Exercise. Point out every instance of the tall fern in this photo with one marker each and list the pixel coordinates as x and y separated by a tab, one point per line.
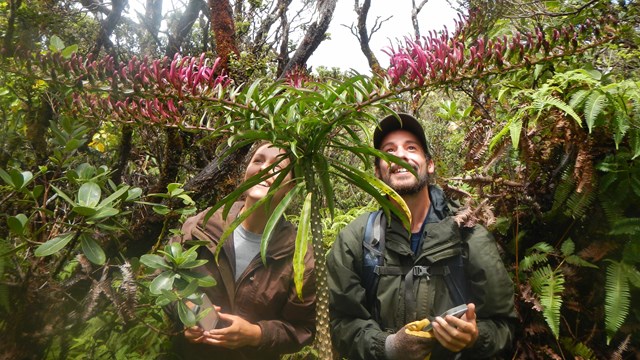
617	299
549	285
593	107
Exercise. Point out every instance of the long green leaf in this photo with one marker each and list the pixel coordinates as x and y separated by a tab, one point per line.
92	250
54	245
302	243
63	195
404	214
275	217
325	181
363	183
108	200
237	221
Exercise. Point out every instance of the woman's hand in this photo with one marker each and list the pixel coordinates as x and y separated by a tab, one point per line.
238	334
194	334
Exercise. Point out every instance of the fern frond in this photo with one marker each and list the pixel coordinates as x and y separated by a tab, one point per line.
632	273
578	349
551	299
575	260
626	226
617	298
564	189
620	121
578	203
613	212
593	107
578	98
568	247
530	260
550	101
542	247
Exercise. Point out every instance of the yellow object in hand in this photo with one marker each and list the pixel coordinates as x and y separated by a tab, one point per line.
415	328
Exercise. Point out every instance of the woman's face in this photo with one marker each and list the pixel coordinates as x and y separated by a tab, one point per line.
264	157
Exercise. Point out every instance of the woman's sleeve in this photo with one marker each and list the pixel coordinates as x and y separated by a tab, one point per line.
296	327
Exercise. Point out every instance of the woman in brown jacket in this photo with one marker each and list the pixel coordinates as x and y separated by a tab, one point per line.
261	315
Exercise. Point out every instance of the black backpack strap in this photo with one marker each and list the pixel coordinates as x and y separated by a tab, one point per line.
453	271
373	258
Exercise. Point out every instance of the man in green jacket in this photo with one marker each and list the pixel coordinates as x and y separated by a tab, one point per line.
413	283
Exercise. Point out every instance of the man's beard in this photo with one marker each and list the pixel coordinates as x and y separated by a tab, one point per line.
411	189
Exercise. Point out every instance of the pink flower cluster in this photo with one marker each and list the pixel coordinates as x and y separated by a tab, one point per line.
437	58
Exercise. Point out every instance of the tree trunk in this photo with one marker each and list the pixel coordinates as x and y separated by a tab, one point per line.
313	37
363	37
223	28
415	10
107	27
8	45
152	20
184	27
323	333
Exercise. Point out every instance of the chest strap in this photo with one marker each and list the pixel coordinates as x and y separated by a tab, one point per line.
409	273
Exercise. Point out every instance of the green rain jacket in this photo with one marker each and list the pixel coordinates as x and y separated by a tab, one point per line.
355	332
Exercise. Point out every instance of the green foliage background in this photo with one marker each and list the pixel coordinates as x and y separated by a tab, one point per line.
547	155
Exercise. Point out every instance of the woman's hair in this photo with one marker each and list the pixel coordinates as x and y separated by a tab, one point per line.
254	148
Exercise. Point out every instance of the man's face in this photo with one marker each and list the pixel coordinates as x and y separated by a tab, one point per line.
407	147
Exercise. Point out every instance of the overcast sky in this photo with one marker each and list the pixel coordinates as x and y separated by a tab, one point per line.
343	50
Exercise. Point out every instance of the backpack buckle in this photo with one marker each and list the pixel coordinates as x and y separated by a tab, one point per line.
421	271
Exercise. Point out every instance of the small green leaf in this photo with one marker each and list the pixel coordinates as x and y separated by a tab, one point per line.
515	129
84	210
37	191
133	193
175	189
161	209
6	177
56	44
192	264
17	223
568	247
154	261
92	250
188	290
104	213
54	245
164	281
69	50
186	315
89	194
175	249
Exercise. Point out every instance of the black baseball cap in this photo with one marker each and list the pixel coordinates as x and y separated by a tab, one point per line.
396	122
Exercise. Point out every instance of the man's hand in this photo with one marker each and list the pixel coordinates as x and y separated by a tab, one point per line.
403	345
238	334
457	334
